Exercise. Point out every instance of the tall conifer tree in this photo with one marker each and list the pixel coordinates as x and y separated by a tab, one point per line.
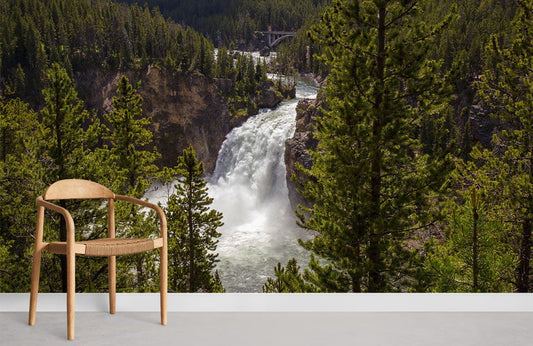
130	138
71	133
20	181
474	257
64	116
370	181
192	228
507	89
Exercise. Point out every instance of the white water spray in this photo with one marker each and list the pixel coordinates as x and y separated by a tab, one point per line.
249	188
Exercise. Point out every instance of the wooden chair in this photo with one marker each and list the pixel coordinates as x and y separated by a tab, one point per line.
109	247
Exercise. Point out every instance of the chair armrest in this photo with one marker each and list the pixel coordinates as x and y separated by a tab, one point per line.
66	215
158	210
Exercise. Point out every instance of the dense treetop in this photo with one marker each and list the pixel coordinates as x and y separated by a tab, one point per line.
80	34
235	21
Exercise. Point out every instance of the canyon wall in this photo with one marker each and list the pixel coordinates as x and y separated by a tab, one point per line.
185	108
296	148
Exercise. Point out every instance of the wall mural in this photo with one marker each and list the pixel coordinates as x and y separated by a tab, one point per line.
323	146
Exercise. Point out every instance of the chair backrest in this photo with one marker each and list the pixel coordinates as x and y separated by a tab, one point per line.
77	189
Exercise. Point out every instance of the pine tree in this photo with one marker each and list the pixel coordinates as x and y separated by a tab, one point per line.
65	117
369	181
287	280
130	138
192	229
20	181
507	89
474	256
223	63
71	133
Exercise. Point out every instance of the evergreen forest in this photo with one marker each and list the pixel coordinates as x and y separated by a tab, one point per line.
425	185
422	173
235	22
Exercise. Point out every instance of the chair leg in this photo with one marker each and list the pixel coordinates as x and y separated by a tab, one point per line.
35	273
36	266
163	283
71	287
112	279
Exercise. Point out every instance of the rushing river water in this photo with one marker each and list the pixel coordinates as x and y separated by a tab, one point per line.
249	187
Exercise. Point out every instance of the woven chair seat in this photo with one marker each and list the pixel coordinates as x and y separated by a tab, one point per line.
107	246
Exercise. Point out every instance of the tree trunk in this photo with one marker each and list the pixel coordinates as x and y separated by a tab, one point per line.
356	279
525	256
375	283
475	255
140	273
191	258
522	284
192	268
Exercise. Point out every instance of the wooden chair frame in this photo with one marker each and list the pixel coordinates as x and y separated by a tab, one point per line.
110	247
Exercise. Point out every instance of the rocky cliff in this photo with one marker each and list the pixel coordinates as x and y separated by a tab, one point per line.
296	147
185	109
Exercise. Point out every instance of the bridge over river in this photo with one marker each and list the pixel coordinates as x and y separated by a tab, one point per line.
275	37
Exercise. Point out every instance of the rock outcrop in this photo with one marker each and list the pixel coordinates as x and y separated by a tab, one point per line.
296	148
268	97
185	109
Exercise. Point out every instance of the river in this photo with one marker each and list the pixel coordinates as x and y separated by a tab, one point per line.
249	187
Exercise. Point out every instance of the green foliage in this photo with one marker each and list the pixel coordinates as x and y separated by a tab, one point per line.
71	137
82	34
224	63
33	156
474	256
192	229
461	50
236	21
287	280
6	263
369	182
506	88
64	117
21	174
242	81
130	135
63	146
301	52
388	127
464	41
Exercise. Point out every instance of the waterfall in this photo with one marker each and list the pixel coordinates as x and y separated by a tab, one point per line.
249	188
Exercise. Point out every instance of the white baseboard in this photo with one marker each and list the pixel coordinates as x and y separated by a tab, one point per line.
271	302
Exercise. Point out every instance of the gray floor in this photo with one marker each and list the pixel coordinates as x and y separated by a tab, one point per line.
255	329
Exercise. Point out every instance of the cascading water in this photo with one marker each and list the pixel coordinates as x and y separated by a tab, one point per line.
249	188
